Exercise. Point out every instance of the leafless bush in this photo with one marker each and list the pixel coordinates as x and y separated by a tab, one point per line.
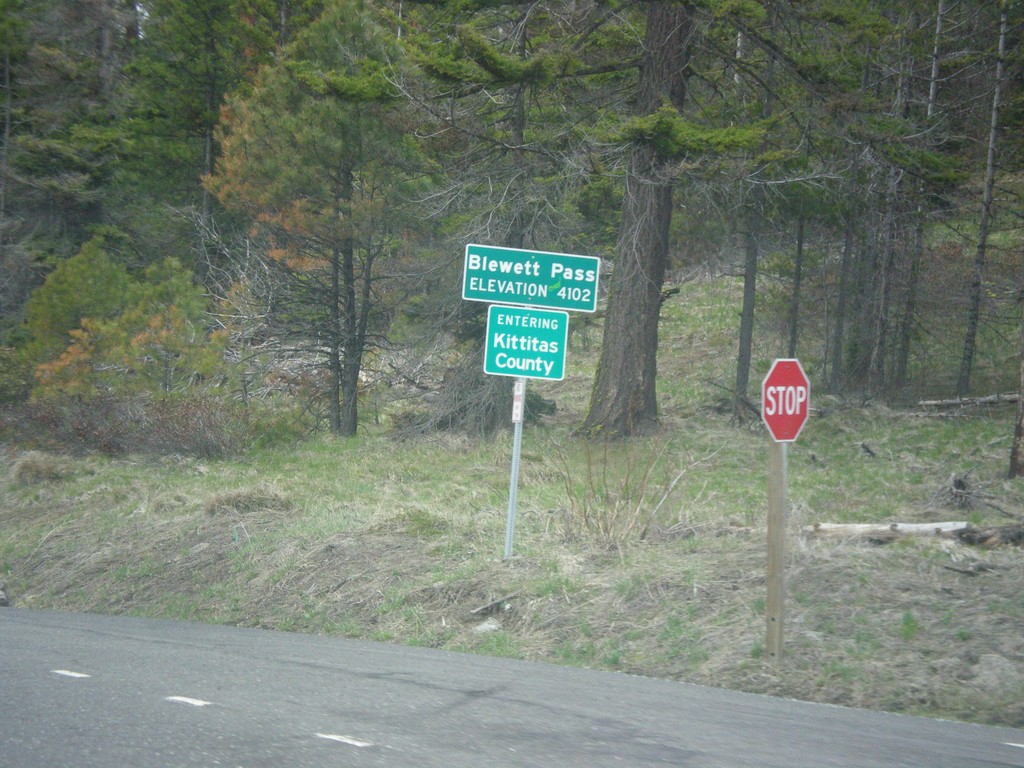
191	426
615	498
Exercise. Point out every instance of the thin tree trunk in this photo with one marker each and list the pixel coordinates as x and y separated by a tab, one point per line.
933	82
751	248
917	255
351	343
880	368
884	281
845	268
334	342
1017	452
963	384
798	276
846	265
5	154
901	362
624	400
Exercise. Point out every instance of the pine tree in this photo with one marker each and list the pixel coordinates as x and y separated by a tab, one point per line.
58	144
317	154
90	284
192	54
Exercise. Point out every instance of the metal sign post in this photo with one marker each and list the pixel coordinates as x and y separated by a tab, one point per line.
518	407
523	340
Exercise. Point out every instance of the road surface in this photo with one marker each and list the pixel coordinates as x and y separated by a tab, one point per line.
83	691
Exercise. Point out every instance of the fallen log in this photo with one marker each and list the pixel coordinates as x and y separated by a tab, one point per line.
882	532
1012	397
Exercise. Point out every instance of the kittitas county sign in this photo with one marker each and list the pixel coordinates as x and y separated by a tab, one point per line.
525	342
531	278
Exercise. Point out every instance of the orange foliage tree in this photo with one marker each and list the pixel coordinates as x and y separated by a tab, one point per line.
318	156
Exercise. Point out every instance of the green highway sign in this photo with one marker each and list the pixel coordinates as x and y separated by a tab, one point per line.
531	278
526	343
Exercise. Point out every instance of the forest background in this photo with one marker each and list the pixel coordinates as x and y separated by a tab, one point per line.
264	204
232	232
260	207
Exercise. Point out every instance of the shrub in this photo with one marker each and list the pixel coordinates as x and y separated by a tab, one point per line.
15	376
190	426
194	426
616	497
37	467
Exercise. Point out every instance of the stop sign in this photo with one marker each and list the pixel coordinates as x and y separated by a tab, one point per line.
785	400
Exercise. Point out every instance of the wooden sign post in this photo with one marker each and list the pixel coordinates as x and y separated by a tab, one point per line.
775	579
785	405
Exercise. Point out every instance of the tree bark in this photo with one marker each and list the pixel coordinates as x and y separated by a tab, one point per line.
624	399
845	268
883	286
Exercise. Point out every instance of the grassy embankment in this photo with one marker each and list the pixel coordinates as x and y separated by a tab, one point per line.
402	541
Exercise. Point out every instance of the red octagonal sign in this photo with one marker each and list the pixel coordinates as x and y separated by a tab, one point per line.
785	400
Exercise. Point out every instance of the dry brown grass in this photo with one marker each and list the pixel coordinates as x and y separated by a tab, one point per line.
37	467
244	501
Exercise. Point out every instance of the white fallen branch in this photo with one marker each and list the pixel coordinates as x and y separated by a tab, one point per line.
882	531
1012	397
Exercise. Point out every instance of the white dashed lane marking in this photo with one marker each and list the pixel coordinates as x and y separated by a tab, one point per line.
192	702
189	701
69	673
1011	744
345	740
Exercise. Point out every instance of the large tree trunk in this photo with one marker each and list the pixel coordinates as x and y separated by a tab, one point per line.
624	400
963	384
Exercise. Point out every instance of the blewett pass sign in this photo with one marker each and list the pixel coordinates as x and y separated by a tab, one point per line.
785	400
531	278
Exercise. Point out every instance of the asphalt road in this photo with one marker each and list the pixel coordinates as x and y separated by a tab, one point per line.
82	691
